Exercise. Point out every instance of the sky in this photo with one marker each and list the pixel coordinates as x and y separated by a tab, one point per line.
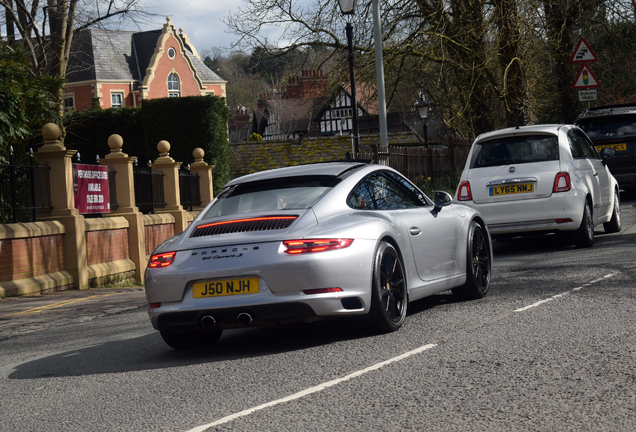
200	20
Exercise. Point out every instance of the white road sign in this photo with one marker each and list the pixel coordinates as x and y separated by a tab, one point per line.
587	95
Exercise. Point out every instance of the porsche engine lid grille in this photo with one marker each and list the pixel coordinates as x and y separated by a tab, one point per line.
244	225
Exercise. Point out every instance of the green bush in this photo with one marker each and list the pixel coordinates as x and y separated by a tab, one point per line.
88	132
187	123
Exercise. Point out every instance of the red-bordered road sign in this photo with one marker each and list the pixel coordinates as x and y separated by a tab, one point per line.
585	79
583	53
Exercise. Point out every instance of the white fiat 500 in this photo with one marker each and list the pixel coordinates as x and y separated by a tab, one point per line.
540	179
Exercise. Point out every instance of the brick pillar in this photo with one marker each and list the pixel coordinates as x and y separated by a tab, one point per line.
123	165
63	203
205	177
172	193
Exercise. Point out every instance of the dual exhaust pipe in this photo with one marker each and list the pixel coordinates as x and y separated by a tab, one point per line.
209	322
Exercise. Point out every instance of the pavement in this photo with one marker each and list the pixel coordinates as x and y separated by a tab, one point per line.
27	314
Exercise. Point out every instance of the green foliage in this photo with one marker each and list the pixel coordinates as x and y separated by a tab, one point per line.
446	183
88	132
26	100
187	123
255	137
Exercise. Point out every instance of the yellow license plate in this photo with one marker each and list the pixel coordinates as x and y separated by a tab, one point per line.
225	287
617	147
511	189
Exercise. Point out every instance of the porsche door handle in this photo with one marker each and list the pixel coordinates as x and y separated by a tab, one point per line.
415	231
595	174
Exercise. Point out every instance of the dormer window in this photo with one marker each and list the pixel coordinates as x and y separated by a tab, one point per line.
173	85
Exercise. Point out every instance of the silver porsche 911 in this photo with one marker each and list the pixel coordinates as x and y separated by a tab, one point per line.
314	241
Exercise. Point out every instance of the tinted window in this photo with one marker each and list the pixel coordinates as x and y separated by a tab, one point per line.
517	150
609	127
581	146
276	194
384	190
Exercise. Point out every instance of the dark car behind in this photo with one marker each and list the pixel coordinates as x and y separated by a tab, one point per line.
614	126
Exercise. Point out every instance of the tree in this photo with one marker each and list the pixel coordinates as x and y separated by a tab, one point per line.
26	99
484	64
243	87
46	31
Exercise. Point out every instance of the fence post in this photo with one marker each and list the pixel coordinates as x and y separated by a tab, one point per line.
124	179
63	203
170	169
205	177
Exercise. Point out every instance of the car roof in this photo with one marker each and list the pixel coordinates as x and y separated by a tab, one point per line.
608	110
521	130
325	168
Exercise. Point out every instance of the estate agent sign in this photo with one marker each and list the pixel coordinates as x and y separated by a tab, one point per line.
90	183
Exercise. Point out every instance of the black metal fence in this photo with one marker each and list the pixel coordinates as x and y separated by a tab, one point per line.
25	191
149	195
190	189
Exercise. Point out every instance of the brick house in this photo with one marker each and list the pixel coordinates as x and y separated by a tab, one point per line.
113	69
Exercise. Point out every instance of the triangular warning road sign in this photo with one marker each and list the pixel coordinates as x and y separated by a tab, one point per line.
583	53
585	79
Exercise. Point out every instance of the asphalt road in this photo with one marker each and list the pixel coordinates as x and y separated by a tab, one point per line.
551	348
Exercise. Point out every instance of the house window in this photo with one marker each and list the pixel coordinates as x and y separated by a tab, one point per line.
69	102
171	52
173	85
117	100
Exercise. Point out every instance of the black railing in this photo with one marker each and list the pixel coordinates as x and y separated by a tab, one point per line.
189	187
28	193
149	194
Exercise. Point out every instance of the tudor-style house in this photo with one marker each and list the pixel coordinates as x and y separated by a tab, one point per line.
113	69
306	108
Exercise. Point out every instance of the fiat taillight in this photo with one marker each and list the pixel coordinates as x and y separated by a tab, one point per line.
463	192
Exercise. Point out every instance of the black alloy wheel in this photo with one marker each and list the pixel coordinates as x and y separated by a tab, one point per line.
389	298
478	264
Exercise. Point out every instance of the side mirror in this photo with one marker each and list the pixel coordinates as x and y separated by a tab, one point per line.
441	199
607	153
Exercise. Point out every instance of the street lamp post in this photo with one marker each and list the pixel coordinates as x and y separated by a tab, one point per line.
347	8
422	109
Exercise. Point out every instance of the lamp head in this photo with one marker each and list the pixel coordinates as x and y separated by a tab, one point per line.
422	108
347	6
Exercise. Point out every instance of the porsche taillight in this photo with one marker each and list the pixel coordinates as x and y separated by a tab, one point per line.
463	192
161	260
562	182
295	247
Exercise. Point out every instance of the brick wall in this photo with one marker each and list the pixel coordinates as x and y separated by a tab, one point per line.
28	257
106	246
156	234
254	156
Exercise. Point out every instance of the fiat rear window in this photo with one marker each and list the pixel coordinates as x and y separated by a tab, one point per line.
519	149
290	193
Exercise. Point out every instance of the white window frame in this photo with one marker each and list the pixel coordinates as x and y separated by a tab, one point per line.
173	51
172	91
112	102
71	97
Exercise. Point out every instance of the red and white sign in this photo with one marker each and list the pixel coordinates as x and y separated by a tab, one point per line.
583	53
585	79
90	183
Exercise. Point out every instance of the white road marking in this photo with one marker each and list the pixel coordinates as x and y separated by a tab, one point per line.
556	296
356	374
315	389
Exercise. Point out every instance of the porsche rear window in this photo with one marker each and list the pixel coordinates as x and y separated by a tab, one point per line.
276	194
518	149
